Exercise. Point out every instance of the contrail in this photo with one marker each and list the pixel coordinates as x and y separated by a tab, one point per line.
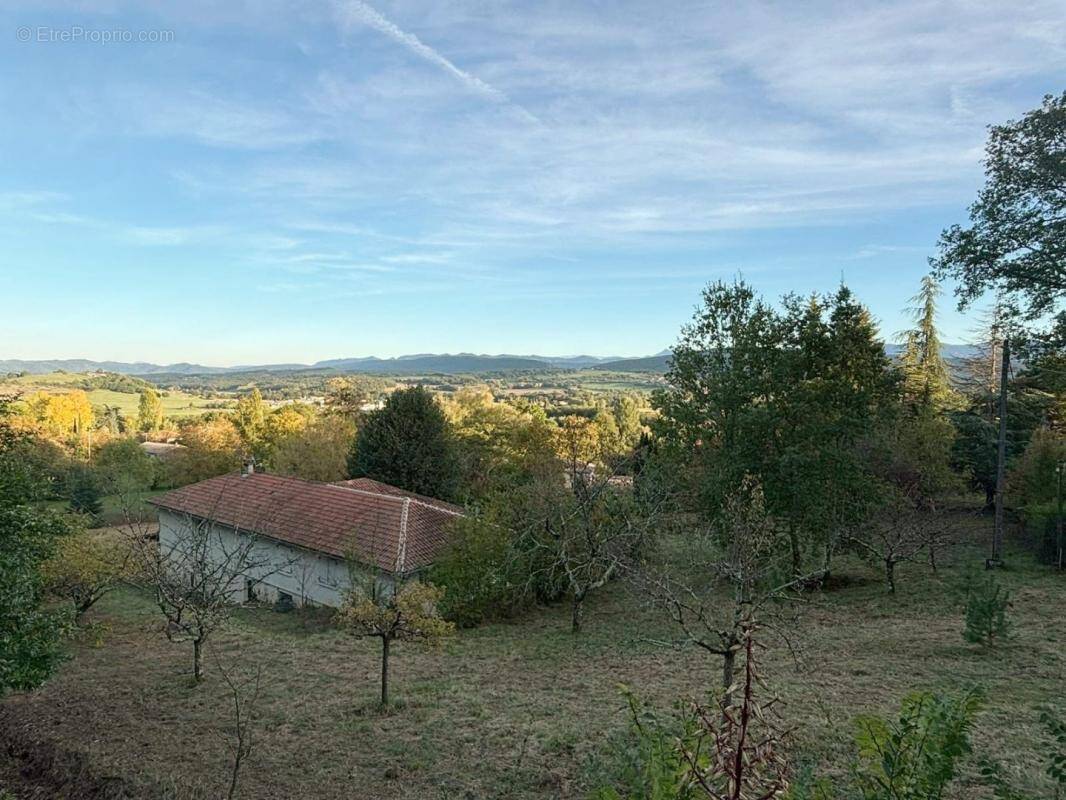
356	11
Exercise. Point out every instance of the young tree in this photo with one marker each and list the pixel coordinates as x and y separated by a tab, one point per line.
407	444
581	537
899	532
728	750
722	579
149	411
1016	241
987	603
913	757
377	607
244	685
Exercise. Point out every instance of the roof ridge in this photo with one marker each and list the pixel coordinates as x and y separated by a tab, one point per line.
401	497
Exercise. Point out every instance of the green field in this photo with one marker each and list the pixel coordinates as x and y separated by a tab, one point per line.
524	709
176	403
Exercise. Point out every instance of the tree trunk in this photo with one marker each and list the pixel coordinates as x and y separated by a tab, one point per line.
197	660
729	663
794	543
235	773
890	575
384	670
575	613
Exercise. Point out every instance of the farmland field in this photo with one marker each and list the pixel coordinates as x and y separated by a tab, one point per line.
524	709
176	403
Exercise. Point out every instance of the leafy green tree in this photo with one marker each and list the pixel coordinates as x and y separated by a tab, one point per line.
786	398
124	467
407	444
29	634
149	411
1016	241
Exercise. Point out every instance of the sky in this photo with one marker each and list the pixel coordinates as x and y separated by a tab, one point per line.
264	182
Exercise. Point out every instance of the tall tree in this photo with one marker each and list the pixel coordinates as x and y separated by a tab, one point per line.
249	417
1016	241
29	632
926	380
149	411
785	398
407	444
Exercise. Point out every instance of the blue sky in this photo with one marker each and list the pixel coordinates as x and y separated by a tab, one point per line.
294	181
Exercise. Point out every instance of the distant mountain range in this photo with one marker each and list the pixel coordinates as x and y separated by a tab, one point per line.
421	363
418	364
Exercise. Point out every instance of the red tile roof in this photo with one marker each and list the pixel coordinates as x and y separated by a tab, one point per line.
371	485
376	523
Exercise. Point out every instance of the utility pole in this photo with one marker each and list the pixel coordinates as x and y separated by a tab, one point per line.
996	559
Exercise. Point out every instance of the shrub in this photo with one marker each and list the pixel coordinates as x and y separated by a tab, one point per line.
646	759
986	612
914	757
85	494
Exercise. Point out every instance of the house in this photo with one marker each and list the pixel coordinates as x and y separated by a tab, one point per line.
306	535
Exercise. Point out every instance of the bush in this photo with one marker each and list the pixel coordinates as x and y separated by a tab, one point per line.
1041	527
646	759
986	612
914	757
84	489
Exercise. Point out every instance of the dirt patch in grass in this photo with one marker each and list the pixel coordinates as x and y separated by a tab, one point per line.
520	709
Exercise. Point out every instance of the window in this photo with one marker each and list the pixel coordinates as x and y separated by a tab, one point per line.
287	564
329	573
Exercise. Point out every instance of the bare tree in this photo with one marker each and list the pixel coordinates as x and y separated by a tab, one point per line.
900	532
722	580
244	685
734	753
199	573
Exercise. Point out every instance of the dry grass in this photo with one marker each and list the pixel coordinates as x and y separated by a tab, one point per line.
518	710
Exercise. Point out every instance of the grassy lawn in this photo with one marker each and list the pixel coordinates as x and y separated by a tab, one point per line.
519	709
112	507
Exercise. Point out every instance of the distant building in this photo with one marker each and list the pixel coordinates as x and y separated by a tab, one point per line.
161	450
307	534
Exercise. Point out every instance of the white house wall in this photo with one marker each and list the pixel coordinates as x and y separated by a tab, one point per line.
302	574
